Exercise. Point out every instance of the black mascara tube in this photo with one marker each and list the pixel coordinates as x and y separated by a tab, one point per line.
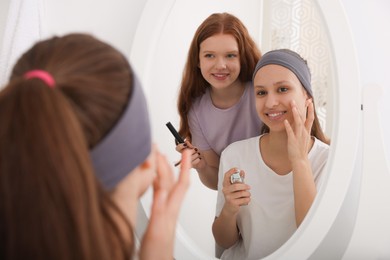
178	138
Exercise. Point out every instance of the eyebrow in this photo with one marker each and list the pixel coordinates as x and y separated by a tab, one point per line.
281	82
229	52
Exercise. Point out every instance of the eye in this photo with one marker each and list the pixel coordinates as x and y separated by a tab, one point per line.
261	93
209	55
282	89
232	55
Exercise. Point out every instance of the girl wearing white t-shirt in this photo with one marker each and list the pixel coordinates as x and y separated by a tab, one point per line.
282	167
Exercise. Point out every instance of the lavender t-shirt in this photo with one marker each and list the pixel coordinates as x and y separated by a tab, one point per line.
215	128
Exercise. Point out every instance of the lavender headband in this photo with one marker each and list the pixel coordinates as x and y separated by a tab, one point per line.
128	143
290	60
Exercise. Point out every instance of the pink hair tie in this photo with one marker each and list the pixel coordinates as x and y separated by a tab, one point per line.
42	75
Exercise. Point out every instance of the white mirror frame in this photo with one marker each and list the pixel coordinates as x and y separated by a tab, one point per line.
337	202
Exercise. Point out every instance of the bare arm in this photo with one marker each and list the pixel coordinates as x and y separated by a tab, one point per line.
304	189
206	163
207	168
224	228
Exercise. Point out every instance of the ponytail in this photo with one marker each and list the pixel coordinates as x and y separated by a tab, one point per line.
48	202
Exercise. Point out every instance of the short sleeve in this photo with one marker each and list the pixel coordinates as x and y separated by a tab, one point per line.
198	138
319	158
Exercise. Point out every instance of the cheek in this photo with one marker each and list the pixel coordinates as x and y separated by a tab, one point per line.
260	107
204	66
202	69
302	110
236	66
301	103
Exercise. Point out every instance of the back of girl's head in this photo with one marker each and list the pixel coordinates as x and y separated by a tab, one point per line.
193	84
51	206
92	75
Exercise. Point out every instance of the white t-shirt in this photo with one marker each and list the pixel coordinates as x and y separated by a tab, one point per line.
269	219
215	128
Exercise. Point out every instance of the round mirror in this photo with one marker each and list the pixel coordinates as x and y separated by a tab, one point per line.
158	54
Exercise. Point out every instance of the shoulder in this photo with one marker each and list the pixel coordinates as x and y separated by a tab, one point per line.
318	157
319	151
320	146
202	101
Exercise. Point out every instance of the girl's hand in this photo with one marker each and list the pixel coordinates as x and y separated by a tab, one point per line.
197	161
168	195
236	194
299	138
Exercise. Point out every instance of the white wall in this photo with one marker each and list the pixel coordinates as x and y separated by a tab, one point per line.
370	21
113	21
4	5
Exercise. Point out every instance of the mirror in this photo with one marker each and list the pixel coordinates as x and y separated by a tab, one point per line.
159	56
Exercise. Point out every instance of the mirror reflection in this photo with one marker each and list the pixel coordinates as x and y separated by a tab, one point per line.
294	24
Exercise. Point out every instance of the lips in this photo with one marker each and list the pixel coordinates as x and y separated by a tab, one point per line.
220	76
275	115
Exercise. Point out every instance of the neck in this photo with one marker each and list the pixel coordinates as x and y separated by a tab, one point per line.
277	142
227	97
273	147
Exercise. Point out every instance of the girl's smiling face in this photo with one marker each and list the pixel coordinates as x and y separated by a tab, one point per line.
219	60
276	87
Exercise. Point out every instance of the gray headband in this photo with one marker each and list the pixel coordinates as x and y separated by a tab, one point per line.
290	60
127	144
